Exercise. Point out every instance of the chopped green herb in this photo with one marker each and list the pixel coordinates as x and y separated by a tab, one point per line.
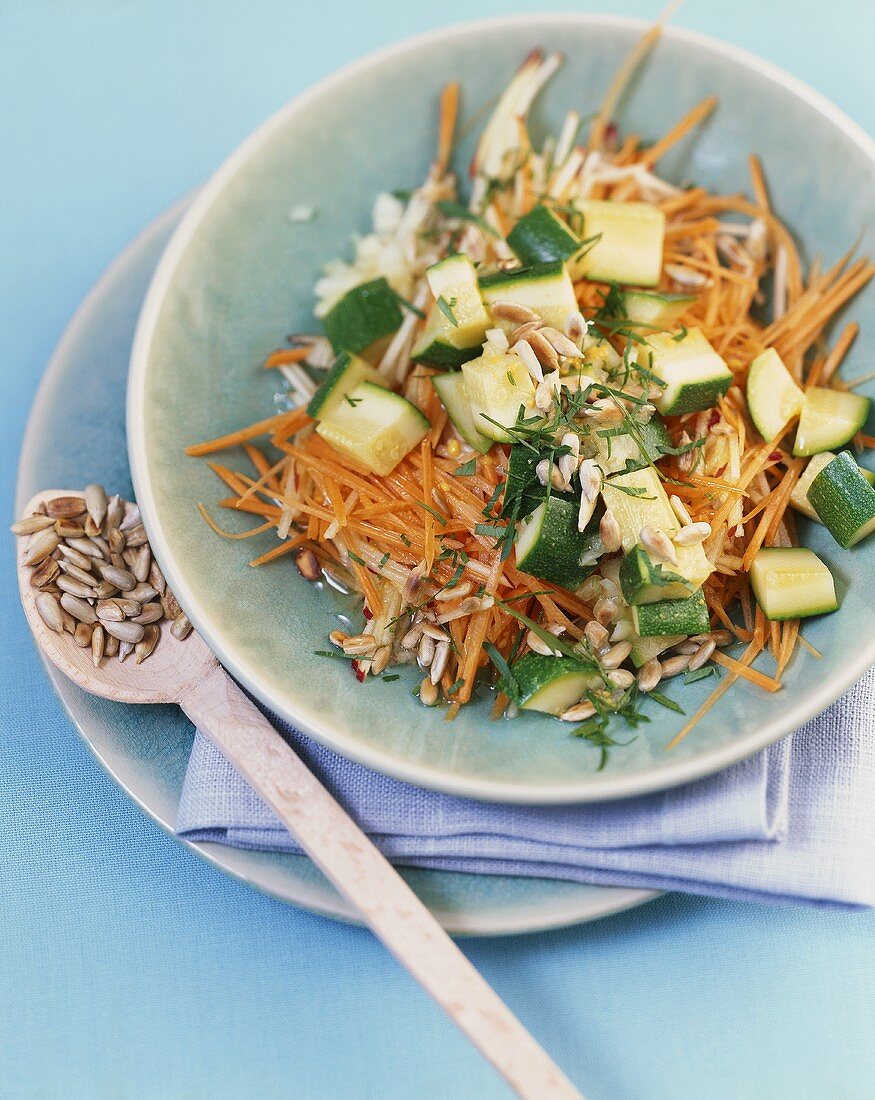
454	687
441	519
451	209
409	305
390	679
700	674
446	308
467	469
352	400
384	559
664	701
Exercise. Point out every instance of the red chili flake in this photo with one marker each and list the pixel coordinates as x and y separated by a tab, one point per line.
359	675
775	456
368	613
612	135
714	418
720	472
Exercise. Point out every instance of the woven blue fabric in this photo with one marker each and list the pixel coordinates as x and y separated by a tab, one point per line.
794	824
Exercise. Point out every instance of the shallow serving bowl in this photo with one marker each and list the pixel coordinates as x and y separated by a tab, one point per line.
238	275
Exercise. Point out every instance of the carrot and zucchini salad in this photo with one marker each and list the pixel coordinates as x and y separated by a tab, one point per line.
558	429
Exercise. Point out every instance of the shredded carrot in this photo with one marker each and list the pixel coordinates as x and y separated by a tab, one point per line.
285	356
419	544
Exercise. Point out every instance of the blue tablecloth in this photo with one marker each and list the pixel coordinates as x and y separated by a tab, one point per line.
128	968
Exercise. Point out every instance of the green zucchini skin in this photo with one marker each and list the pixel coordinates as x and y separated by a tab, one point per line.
844	500
345	374
367	313
542	237
548	684
534	273
689	616
453	393
558	547
792	583
439	354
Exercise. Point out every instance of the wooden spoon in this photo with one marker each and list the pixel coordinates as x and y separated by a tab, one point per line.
185	672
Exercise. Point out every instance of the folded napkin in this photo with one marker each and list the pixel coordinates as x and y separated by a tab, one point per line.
792	825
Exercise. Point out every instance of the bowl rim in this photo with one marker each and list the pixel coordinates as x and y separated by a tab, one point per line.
306	717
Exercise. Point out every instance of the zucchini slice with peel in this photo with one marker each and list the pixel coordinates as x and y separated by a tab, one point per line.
549	684
844	500
792	583
374	426
773	398
829	420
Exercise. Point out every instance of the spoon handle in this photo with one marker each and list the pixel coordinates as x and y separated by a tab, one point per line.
341	850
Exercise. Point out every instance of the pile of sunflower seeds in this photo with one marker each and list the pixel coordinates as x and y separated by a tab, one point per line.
95	575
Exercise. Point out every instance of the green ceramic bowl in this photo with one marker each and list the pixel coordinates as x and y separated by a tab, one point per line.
238	275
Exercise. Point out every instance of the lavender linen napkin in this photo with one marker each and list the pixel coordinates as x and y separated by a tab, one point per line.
793	825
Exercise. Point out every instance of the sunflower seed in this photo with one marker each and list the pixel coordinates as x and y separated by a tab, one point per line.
649	675
91	528
381	660
83	575
180	627
657	544
543	349
41	545
142	563
522	331
168	601
620	678
110	645
104	590
84	547
69	529
596	635
116	540
680	510
719	637
674	666
606	611
146	646
96	502
143	593
156	577
44	573
131	518
307	564
578	713
98	644
576	326
78	608
616	655
425	653
561	343
124	649
115	513
692	534
30	525
82	635
359	645
65	507
75	587
510	311
150	613
531	362
124	631
454	593
411	639
688	458
538	645
136	535
50	611
428	693
110	611
439	661
121	578
702	655
102	545
609	530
